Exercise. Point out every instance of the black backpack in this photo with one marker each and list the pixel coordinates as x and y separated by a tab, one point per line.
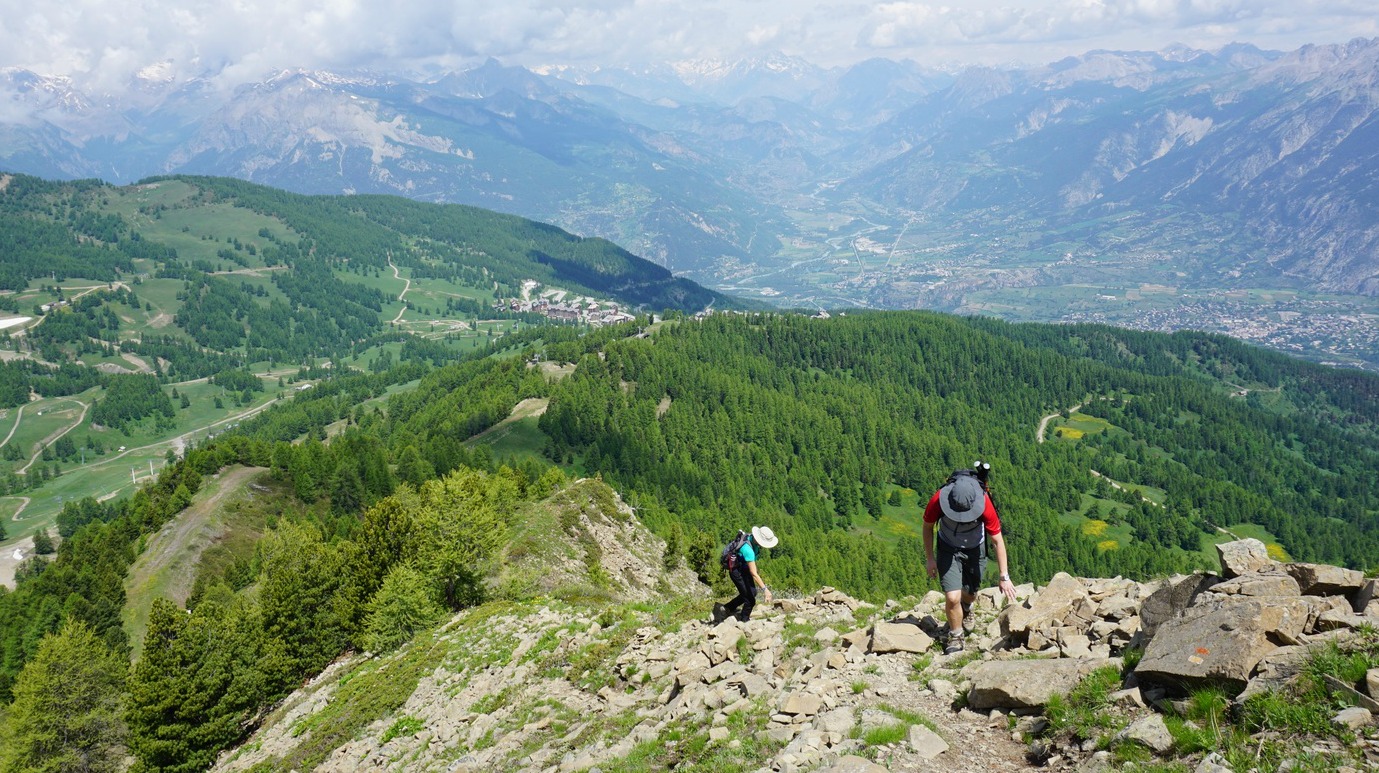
729	557
963	535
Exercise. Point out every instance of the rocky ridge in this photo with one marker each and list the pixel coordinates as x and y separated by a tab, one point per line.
827	682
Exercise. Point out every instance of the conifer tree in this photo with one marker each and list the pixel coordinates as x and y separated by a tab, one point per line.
66	714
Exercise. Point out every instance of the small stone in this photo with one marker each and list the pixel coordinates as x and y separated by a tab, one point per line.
943	688
840	721
1129	699
925	742
1352	718
801	703
1150	731
719	734
1213	763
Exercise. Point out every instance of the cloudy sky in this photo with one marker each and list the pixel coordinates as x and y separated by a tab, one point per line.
101	42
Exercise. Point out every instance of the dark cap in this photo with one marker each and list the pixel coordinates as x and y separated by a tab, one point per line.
963	500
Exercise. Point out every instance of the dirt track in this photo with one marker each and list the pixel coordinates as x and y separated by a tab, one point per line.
167	566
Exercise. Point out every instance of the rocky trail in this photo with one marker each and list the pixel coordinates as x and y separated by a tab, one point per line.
829	683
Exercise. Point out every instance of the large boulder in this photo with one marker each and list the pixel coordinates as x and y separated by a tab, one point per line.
1266	583
1028	683
1325	580
1215	641
1360	599
1055	601
899	637
1172	599
1242	557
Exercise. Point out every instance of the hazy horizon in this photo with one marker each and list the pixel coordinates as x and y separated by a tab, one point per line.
102	44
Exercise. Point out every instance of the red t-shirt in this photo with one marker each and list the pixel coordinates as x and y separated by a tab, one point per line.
992	521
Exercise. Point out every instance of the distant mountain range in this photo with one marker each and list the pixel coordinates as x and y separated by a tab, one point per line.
705	165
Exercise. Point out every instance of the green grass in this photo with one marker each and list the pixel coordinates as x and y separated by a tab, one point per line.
895	523
1078	425
518	438
370	692
114	473
1085	711
403	726
1239	531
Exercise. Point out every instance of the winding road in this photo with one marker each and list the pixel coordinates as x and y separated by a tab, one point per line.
18	417
1044	422
53	438
408	286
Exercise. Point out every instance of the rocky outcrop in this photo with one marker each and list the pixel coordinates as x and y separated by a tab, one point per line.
812	682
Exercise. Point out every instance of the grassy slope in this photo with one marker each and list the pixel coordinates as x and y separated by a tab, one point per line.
221	524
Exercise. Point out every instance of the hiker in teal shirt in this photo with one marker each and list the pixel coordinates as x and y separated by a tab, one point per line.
745	577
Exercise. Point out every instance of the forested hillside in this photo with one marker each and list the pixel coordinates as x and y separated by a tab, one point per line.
379	513
812	424
124	308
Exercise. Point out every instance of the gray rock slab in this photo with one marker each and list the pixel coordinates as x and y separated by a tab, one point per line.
1218	640
1053	602
1243	556
1372	683
804	703
1027	683
1325	580
1334	620
899	637
1259	584
840	721
1172	599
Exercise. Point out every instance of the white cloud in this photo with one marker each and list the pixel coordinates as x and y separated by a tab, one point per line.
103	42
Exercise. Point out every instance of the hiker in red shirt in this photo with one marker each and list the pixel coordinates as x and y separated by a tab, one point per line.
965	516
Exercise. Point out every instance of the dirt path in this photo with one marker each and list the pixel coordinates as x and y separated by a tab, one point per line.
18	417
407	287
975	741
22	505
167	567
1044	422
53	438
136	361
532	406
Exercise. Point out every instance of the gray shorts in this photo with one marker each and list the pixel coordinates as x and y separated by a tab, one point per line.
960	568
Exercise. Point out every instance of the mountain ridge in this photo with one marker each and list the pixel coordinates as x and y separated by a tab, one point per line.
704	180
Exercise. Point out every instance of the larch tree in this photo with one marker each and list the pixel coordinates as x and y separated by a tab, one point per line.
66	714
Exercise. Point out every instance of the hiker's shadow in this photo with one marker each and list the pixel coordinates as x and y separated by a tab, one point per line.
928	624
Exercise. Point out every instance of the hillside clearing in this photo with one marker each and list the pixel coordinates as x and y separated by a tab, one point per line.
167	567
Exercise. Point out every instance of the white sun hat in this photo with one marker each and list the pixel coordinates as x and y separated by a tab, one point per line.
764	536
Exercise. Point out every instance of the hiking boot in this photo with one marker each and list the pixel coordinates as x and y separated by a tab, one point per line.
954	643
720	613
967	621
